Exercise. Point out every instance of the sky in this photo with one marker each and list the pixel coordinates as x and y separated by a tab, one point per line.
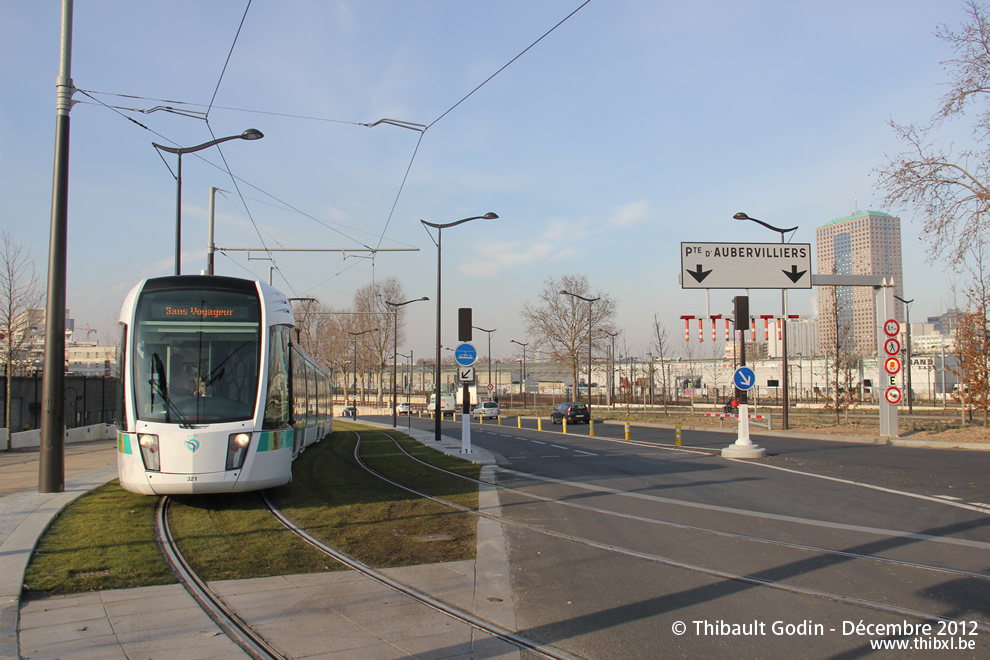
633	126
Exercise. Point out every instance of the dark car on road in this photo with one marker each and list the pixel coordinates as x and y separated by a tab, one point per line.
349	411
572	411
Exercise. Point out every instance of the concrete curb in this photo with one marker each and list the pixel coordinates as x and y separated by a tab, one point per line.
24	517
493	592
863	440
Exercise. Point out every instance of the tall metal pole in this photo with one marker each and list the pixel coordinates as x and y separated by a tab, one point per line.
489	354
783	313
590	302
907	361
436	384
178	216
522	385
51	459
437	414
210	245
395	353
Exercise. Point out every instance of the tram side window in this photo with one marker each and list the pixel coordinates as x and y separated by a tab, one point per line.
121	375
300	396
313	392
277	399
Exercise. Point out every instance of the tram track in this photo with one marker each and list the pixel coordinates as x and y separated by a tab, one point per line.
849	599
236	629
257	646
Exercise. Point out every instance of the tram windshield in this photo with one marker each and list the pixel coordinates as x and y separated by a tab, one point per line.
196	355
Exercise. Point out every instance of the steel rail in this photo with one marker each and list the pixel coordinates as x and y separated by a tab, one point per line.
229	622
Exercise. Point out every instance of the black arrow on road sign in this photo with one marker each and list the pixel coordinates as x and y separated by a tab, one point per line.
794	275
699	275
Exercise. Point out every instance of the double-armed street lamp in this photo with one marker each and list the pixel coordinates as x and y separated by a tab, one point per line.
356	335
436	379
590	302
523	380
249	134
489	353
395	352
907	361
783	314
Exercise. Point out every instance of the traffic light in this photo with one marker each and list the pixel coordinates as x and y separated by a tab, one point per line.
464	324
741	312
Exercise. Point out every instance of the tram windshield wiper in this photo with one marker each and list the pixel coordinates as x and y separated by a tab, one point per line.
161	385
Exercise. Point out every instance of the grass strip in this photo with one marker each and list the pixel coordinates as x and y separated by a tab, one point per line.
105	539
371	520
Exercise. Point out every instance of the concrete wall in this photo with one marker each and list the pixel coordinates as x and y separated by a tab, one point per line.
28	439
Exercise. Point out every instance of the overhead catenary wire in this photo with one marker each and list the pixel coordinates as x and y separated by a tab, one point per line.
421	128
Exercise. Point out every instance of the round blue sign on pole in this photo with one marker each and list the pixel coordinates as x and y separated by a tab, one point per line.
744	378
465	355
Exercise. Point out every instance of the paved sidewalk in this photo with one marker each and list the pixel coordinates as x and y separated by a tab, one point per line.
331	615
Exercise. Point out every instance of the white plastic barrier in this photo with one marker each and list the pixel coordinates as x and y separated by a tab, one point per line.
27	439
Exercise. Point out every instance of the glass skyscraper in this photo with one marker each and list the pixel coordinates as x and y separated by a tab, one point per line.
864	243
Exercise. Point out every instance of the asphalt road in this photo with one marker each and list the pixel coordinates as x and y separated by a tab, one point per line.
635	550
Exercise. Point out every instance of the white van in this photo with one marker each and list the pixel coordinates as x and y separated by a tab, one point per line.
447	404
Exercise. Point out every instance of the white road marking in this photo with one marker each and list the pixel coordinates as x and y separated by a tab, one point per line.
773	516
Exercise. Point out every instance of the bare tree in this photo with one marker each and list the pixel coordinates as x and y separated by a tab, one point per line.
972	346
661	343
19	293
950	189
560	323
369	303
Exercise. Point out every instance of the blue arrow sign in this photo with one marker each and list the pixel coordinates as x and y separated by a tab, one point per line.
465	355
744	378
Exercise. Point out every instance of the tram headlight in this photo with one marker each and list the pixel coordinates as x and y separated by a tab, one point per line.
237	448
149	451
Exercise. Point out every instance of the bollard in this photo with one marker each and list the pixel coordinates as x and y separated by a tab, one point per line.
519	422
627	431
678	427
539	423
591	428
481	420
563	420
499	418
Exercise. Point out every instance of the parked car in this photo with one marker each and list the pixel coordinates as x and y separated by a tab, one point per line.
403	408
485	410
349	411
572	411
448	404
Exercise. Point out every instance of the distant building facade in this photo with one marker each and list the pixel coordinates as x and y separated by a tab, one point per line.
864	243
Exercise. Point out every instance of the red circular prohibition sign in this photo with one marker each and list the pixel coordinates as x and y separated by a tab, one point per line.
893	395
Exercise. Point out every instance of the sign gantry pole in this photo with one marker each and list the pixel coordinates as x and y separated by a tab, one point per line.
744	379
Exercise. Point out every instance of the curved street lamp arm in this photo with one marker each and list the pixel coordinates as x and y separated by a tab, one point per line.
743	216
587	300
249	134
487	216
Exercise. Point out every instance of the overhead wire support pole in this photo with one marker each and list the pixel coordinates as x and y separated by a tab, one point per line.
51	459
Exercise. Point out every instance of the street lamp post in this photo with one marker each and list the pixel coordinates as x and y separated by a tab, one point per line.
249	134
590	302
907	361
395	352
436	384
522	385
611	371
355	335
489	353
783	314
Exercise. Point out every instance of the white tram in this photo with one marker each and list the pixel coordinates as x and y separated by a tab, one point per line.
214	396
